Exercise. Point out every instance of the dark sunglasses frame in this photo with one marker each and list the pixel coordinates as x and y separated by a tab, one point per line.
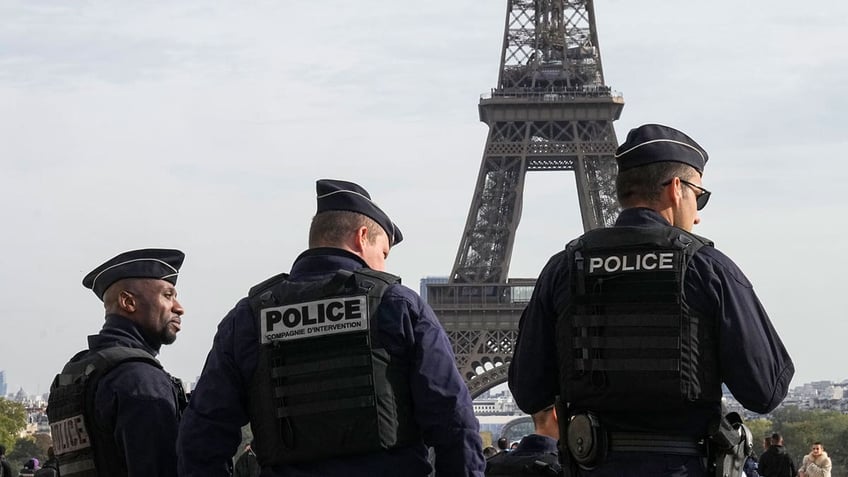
700	199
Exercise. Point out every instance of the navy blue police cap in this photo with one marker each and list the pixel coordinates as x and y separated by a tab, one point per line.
343	195
162	264
652	143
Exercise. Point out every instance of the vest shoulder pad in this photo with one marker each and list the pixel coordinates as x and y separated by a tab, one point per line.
99	363
260	287
385	277
624	236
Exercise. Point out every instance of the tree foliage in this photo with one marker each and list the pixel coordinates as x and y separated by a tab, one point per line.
759	429
12	421
25	449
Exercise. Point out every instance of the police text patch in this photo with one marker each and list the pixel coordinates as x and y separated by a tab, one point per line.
631	262
69	435
314	318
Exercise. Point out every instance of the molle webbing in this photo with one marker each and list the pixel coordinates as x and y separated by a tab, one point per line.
316	396
626	338
340	378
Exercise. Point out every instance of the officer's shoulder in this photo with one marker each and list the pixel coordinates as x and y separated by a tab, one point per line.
138	379
720	264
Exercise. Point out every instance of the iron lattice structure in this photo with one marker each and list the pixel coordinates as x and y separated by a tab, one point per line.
551	111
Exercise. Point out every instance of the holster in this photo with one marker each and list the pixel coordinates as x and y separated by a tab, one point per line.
730	444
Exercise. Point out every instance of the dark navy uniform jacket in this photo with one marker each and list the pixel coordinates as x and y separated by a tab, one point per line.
753	362
136	401
542	448
210	430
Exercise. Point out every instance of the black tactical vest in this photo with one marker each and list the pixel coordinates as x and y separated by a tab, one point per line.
324	386
627	341
85	448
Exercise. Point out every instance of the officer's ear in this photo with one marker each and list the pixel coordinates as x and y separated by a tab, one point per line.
361	239
673	192
127	301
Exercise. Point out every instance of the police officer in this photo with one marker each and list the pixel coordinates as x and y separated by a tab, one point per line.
339	369
113	410
635	327
536	454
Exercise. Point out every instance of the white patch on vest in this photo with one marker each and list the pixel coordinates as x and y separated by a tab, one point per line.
314	318
634	262
69	435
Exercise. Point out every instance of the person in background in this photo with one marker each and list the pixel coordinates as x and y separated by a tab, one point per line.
30	466
776	461
536	454
816	463
5	467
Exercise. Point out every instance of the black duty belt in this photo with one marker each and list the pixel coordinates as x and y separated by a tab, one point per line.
658	443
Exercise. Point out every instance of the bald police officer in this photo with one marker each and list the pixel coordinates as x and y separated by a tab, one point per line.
339	369
635	327
113	410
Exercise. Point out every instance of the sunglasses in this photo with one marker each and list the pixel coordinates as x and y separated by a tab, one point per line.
703	194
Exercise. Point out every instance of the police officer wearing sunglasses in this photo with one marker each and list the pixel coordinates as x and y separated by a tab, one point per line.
634	328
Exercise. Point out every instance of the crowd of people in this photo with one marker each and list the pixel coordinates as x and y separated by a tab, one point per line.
341	370
775	461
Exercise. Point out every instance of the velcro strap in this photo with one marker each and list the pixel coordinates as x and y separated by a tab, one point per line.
597	364
656	321
330	384
627	342
318	366
658	443
326	406
77	467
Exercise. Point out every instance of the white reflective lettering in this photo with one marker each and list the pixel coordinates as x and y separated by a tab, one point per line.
595	262
652	265
633	262
612	263
314	318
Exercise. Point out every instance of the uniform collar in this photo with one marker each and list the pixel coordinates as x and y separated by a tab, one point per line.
120	331
640	216
320	261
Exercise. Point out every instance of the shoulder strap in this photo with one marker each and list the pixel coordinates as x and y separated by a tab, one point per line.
101	362
262	295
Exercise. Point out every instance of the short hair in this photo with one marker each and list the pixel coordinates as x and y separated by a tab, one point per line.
818	443
110	296
333	228
503	443
540	417
776	437
645	183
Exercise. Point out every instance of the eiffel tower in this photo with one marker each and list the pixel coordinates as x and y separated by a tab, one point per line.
551	111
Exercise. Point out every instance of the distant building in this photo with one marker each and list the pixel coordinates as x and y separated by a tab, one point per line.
428	281
3	383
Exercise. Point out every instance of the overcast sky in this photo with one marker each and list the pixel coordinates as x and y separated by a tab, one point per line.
203	126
